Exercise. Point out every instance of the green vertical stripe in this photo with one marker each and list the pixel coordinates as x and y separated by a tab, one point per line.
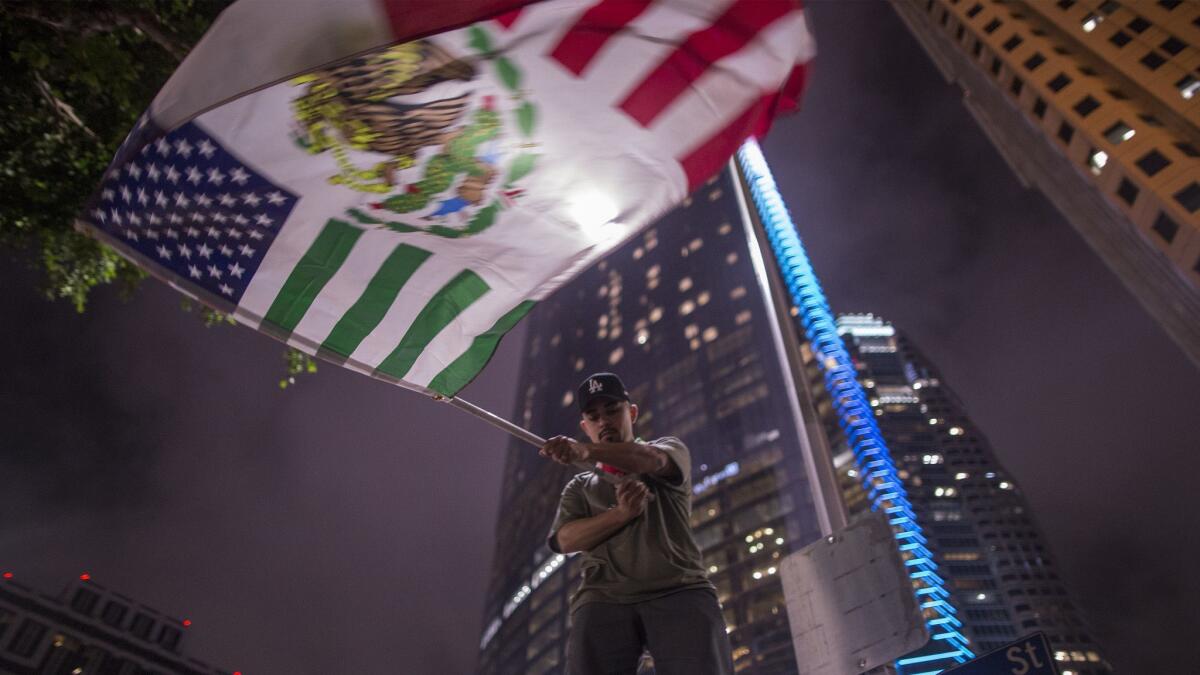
376	299
464	369
311	274
447	303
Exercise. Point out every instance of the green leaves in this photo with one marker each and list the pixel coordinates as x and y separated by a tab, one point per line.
510	77
76	76
526	115
479	39
520	167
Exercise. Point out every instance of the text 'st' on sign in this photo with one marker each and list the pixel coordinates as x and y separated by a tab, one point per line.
1030	655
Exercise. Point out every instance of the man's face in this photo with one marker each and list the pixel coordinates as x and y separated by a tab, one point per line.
609	421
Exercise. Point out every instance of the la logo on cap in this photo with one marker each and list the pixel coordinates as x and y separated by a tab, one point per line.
594	386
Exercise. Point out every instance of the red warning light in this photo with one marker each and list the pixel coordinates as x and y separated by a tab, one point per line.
85	577
237	672
187	622
8	575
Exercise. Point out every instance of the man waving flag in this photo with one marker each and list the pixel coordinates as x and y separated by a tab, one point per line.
392	184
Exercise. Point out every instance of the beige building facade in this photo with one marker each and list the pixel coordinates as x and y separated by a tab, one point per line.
1097	104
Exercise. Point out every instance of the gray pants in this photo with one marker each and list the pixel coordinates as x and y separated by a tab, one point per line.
684	631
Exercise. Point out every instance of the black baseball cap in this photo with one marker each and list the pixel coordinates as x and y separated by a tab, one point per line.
600	386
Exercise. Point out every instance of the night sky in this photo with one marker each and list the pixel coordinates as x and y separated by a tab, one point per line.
345	526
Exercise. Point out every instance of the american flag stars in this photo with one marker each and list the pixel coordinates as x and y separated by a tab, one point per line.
187	204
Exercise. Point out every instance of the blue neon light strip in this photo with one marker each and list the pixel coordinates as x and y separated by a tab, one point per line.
948	646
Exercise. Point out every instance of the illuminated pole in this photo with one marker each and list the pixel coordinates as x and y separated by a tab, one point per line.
947	646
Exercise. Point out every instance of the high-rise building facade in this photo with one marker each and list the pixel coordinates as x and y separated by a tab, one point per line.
976	520
89	630
1097	103
679	314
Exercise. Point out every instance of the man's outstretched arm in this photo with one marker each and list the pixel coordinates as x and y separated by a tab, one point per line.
629	456
585	534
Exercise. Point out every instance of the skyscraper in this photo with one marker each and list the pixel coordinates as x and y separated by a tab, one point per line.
1095	103
976	519
89	630
686	312
678	313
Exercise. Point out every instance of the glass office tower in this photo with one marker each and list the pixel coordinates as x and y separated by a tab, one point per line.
994	558
677	312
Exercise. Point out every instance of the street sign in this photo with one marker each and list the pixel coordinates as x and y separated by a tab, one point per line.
1030	655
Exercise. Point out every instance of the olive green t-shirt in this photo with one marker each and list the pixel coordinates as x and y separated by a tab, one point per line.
651	556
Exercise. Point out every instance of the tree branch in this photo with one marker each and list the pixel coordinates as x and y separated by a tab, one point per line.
61	108
101	18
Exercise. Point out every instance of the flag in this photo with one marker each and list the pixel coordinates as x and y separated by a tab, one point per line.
392	185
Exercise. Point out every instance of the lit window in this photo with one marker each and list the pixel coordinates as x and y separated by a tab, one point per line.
615	356
1119	132
652	284
691	331
1188	86
738	293
714	195
655	314
695	244
703	298
694	344
961	476
578	364
710	334
1005	485
1096	161
725	228
638	253
731	258
1091	21
653	271
956	431
568	398
1060	656
687	307
685	283
642	336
